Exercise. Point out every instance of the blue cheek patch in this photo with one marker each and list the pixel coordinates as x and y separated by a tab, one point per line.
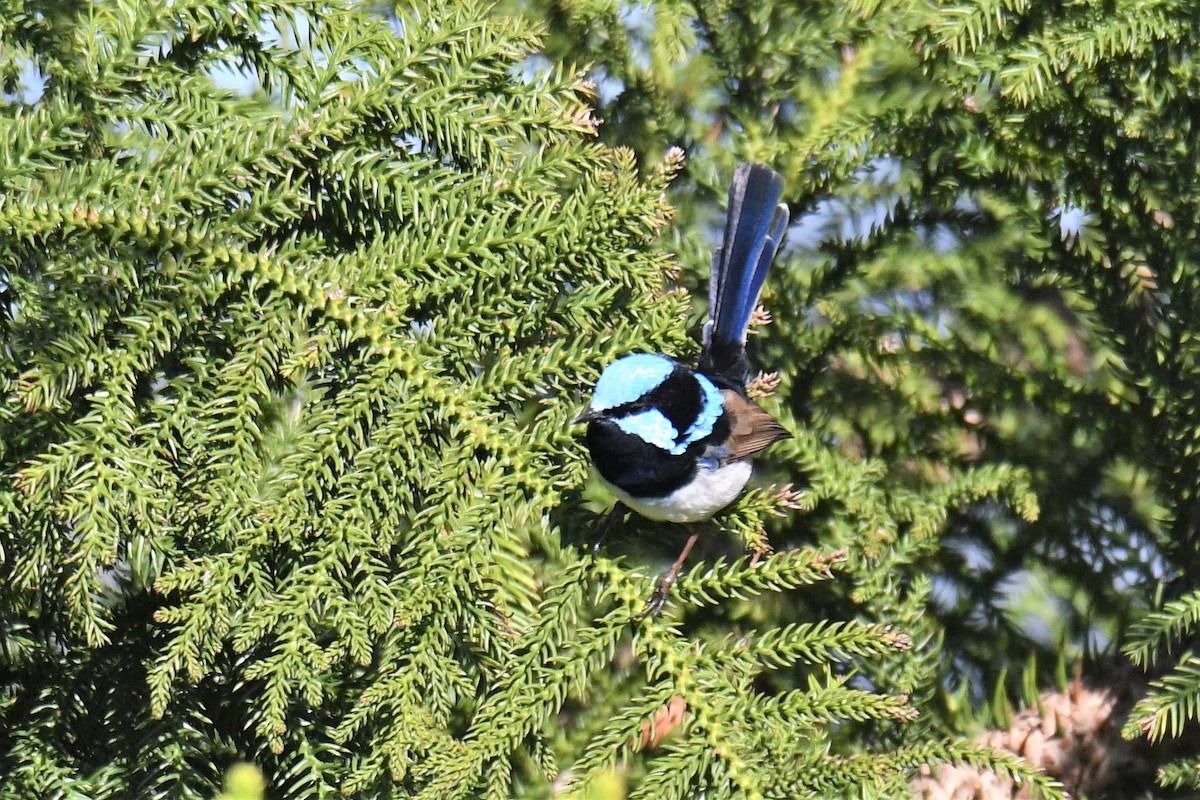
710	412
629	378
651	426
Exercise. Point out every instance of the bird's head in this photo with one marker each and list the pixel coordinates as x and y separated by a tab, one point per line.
654	398
625	383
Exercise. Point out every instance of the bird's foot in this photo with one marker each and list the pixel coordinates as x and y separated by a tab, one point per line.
612	520
658	600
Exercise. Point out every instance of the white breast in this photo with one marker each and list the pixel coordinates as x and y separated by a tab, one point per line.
708	492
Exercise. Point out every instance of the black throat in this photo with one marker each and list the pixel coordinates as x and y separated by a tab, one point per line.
632	464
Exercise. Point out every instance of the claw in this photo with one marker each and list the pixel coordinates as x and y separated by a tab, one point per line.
612	520
658	600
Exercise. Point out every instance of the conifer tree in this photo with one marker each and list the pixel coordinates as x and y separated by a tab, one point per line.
994	267
297	301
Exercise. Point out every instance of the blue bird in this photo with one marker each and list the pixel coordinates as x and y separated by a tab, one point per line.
675	443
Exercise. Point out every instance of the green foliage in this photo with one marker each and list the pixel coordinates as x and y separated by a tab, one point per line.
1156	632
297	304
297	301
994	268
1173	702
1174	698
1180	775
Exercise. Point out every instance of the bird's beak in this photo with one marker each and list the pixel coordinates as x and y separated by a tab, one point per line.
591	415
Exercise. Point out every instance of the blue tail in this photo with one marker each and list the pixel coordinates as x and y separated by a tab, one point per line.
754	228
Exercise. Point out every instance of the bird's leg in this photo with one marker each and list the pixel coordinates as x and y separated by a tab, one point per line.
657	600
613	519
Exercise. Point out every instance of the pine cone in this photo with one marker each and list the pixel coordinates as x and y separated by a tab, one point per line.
1072	735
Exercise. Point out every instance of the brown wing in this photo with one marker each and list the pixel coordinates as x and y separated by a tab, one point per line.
752	428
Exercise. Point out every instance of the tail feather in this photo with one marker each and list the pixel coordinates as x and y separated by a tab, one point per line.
754	228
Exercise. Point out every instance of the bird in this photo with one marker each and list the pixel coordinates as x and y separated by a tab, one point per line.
672	442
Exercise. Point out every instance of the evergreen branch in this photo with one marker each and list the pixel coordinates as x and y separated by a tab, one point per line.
836	773
1171	702
624	732
710	584
1181	774
1155	633
820	643
830	703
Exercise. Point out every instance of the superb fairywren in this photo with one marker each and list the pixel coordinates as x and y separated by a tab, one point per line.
674	443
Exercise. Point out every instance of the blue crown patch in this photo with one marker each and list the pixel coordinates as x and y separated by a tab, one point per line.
629	378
